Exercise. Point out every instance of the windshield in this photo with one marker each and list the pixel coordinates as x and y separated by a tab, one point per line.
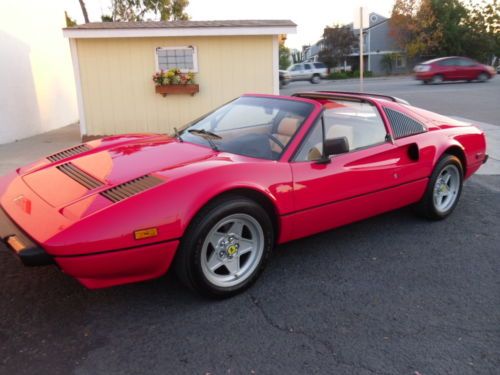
250	126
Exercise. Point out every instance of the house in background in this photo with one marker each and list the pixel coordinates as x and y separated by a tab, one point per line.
377	43
37	90
114	63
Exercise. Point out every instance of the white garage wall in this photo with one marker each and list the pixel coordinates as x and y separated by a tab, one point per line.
37	90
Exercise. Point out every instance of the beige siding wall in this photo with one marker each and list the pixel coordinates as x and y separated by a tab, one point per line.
118	93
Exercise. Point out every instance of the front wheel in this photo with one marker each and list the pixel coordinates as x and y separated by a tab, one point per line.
483	77
225	248
444	189
315	79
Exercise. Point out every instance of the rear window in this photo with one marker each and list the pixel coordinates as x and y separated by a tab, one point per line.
319	65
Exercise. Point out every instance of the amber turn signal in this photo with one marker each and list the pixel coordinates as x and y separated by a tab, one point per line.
145	233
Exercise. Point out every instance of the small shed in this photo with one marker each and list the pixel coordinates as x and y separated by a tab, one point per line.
114	63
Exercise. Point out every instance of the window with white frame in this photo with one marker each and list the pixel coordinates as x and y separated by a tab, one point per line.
183	58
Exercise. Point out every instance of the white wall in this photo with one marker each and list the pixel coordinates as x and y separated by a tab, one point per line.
37	89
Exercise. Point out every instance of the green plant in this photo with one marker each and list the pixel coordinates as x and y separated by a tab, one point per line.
173	77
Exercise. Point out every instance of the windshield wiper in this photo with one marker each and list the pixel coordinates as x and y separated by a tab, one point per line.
208	135
177	135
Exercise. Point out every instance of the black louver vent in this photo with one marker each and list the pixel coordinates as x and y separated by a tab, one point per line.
79	176
68	153
131	188
402	125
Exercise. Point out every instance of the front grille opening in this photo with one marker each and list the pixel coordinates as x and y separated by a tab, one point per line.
68	153
79	176
131	188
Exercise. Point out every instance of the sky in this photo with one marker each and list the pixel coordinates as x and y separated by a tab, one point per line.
311	16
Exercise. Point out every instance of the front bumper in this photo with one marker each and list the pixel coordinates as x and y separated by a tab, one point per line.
13	237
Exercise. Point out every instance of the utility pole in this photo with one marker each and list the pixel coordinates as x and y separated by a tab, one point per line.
361	60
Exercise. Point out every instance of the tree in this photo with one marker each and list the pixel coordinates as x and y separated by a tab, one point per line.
138	10
84	11
70	22
284	56
338	42
446	27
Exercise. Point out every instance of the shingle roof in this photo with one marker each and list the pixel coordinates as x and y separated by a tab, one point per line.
181	24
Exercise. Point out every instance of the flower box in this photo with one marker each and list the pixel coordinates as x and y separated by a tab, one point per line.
190	89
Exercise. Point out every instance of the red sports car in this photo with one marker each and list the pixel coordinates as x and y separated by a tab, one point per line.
453	69
214	198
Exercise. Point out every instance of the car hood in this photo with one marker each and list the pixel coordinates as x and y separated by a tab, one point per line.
65	181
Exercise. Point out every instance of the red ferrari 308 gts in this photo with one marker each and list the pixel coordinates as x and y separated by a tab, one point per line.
215	197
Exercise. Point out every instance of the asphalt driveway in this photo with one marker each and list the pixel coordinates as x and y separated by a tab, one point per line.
393	294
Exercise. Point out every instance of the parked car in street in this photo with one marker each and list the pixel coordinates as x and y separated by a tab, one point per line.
308	71
453	69
284	78
214	198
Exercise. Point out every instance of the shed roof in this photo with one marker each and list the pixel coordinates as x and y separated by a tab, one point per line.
180	28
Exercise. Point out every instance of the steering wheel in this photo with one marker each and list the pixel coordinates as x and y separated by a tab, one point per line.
276	140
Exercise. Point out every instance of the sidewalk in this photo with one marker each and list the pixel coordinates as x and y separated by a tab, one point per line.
17	154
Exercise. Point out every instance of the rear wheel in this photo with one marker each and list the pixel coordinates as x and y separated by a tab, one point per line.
444	189
438	78
225	248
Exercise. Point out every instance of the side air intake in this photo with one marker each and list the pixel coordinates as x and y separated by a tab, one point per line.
131	188
402	125
79	176
68	153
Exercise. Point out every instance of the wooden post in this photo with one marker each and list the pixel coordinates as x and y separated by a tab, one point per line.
361	60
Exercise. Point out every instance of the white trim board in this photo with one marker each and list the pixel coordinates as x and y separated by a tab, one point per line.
78	84
176	32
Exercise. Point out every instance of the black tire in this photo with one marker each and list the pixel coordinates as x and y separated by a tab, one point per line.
188	261
437	79
426	207
483	77
316	79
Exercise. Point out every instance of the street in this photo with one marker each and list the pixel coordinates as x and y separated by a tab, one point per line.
394	294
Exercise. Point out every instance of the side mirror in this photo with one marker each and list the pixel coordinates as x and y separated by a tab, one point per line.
333	146
336	146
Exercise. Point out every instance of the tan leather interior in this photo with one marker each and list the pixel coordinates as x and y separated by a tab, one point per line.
337	131
285	130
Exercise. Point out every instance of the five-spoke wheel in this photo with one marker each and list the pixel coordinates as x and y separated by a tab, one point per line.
444	189
225	247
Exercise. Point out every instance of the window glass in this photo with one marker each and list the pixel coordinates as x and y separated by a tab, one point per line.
312	147
359	123
448	62
307	66
296	67
183	58
259	127
466	62
319	65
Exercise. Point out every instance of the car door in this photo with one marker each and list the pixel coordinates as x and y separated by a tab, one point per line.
307	73
469	69
296	72
351	186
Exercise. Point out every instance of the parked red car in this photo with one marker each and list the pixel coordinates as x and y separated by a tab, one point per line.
216	197
453	69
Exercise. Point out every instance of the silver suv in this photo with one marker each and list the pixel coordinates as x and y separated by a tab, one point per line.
308	71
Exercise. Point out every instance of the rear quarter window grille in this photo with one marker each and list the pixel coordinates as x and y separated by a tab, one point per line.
68	153
131	188
402	125
79	176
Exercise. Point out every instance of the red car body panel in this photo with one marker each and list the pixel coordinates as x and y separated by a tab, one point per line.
92	238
